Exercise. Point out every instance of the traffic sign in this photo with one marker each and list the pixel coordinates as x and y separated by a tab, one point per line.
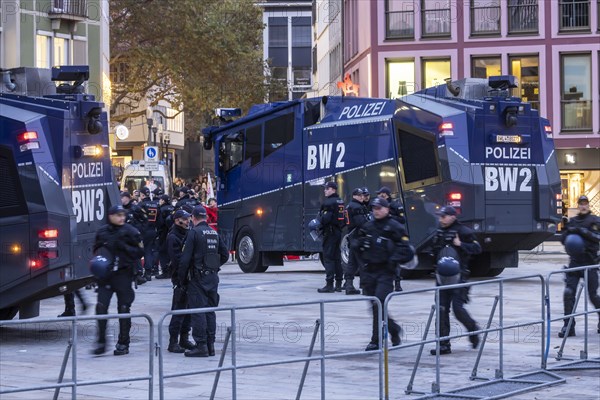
151	166
151	153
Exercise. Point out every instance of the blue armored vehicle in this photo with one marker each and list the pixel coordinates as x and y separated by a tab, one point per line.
56	181
468	144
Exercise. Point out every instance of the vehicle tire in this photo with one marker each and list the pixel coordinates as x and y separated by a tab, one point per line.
481	266
8	313
247	254
492	272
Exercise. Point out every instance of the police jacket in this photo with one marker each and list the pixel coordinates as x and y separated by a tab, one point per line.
136	217
358	214
397	211
203	250
468	246
151	209
332	213
165	221
175	240
382	244
186	199
123	243
588	227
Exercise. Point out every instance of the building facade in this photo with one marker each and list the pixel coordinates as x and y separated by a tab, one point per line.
395	47
288	43
46	33
327	51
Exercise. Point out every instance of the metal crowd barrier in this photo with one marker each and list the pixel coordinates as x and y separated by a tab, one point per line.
232	335
524	383
584	361
71	349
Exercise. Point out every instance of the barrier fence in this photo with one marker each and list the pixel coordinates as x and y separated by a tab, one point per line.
71	351
498	384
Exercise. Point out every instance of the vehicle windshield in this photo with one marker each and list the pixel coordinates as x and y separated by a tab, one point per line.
138	182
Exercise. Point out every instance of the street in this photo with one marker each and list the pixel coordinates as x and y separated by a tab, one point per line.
32	354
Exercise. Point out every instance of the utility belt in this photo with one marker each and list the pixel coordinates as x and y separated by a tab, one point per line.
204	271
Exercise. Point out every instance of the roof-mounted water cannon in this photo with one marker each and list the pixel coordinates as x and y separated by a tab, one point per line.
75	73
501	84
227	115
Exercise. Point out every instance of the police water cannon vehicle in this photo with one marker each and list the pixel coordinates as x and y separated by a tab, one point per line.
468	144
57	183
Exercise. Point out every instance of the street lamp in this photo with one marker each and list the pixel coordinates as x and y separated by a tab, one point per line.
167	141
150	122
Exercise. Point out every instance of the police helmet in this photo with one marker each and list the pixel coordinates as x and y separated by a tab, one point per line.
314	224
158	192
145	191
100	266
448	268
574	245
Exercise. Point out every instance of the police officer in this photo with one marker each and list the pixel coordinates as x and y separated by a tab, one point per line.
203	255
70	303
122	244
461	239
397	213
148	231
179	327
357	216
381	243
587	226
164	224
367	198
136	218
185	198
332	221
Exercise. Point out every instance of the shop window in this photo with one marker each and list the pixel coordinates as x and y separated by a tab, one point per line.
485	17
576	103
399	19
400	78
435	18
279	131
523	16
253	144
574	15
526	69
484	67
435	72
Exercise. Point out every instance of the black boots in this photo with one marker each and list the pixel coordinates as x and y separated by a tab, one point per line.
397	285
100	349
338	286
211	348
69	312
328	288
174	347
121	349
372	346
200	350
184	341
563	331
444	349
350	289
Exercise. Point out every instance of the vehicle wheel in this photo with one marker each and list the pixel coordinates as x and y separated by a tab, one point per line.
494	272
248	256
8	313
481	266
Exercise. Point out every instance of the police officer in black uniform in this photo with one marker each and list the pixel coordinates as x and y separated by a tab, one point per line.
122	244
332	221
586	225
367	198
164	225
397	213
180	326
381	244
203	255
135	217
357	216
451	233
150	208
185	199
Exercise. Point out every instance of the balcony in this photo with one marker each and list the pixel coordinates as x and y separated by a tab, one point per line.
400	24
574	15
70	10
485	20
522	16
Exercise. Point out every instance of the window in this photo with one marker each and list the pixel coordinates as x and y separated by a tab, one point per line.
526	69
253	144
400	78
576	85
435	72
522	16
279	131
350	18
484	67
435	17
301	32
485	17
278	41
61	51
175	120
42	51
418	156
231	151
399	19
574	15
79	52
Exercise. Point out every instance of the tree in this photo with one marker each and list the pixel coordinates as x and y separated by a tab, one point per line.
196	54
